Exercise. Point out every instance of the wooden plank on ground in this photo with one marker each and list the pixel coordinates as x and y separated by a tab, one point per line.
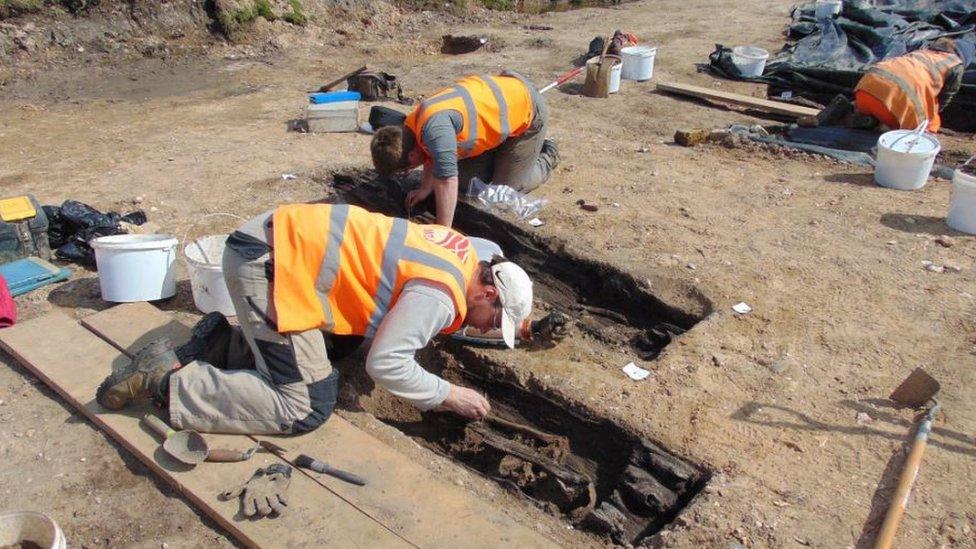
403	495
408	498
80	360
131	326
765	105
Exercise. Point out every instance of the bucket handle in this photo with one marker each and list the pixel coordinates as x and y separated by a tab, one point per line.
917	133
966	163
197	222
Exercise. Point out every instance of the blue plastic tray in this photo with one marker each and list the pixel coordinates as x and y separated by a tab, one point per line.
31	273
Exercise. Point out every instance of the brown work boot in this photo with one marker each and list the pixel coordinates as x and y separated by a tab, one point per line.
835	113
140	378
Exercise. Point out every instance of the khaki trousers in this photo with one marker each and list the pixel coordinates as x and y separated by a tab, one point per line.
290	388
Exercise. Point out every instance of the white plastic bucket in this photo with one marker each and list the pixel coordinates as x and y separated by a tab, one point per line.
905	159
615	69
136	267
204	259
825	9
750	60
962	205
25	527
638	62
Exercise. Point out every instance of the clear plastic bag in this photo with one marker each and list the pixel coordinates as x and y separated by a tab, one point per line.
503	198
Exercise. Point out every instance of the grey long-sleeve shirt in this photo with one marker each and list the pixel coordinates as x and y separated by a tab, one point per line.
422	310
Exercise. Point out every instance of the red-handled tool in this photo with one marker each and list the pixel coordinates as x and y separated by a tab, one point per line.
565	77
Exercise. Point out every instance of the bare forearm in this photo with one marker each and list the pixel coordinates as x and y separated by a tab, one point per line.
445	195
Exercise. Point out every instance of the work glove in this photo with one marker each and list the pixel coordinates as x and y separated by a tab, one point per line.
264	493
552	327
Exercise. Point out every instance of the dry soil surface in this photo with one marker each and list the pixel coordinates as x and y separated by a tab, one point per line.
849	288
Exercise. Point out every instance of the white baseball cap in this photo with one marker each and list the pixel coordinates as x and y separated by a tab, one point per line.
515	293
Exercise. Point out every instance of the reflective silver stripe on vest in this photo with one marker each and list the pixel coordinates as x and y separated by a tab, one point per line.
932	67
950	61
472	116
416	255
906	88
502	106
330	263
388	273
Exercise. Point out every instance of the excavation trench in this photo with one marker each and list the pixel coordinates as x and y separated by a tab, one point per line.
560	455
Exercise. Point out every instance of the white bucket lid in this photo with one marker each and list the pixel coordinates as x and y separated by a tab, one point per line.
135	242
901	140
750	52
638	51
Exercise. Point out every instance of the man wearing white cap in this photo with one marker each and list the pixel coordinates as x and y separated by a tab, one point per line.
301	275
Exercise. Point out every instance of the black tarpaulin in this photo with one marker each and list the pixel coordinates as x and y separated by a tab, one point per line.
825	57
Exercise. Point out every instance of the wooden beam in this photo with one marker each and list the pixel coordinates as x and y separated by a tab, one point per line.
73	361
755	103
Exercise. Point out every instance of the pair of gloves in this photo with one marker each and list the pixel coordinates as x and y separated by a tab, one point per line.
264	493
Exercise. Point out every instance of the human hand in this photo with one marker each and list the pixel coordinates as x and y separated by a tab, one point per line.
466	402
417	196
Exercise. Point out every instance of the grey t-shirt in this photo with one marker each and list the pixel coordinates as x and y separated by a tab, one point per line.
439	135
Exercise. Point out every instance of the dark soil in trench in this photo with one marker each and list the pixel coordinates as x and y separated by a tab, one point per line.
559	455
611	305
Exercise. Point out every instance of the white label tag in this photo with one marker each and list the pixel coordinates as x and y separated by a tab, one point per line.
635	372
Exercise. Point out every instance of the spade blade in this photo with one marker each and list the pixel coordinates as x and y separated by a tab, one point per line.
917	389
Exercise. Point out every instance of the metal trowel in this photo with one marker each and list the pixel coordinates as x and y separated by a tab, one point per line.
188	447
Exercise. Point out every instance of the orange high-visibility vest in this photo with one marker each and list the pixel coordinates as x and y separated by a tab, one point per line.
340	268
493	108
909	86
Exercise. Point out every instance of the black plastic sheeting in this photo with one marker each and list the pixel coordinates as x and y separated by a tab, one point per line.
72	225
827	57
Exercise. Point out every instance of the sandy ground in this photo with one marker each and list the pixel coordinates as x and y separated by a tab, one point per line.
786	405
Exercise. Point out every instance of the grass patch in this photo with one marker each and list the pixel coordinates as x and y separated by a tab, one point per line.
20	5
500	5
77	6
297	15
233	21
263	9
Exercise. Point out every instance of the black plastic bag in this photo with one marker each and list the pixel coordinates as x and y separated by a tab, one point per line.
74	224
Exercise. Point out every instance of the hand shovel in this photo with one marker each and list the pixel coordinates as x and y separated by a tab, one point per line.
185	446
917	389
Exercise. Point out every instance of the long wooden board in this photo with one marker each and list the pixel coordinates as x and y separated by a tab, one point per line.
765	105
404	496
131	326
80	360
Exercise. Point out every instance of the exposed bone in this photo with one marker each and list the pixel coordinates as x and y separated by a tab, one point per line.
645	493
673	472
